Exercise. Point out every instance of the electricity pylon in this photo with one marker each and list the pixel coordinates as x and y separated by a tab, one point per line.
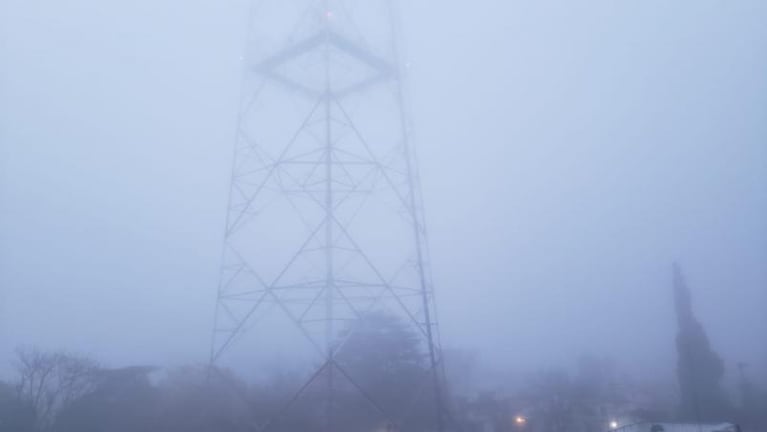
325	224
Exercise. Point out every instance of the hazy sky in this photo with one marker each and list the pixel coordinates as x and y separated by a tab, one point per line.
569	152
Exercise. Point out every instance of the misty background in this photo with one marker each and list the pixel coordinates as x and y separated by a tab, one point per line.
569	152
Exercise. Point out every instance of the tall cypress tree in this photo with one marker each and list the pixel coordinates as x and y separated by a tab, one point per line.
699	369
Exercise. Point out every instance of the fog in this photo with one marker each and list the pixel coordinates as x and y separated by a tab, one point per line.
569	153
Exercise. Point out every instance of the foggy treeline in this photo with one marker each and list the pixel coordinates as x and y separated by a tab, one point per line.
66	392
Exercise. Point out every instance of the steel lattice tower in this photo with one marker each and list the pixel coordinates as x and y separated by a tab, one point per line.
325	224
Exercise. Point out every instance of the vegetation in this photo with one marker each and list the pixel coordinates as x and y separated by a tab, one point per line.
378	362
381	381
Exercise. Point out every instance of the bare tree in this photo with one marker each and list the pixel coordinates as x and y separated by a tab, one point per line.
50	381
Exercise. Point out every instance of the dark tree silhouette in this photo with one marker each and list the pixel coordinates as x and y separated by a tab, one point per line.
379	377
699	368
122	400
50	381
384	357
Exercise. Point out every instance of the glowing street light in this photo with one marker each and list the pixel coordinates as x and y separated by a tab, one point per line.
520	421
613	424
